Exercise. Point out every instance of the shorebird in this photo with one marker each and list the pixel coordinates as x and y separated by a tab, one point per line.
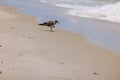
50	24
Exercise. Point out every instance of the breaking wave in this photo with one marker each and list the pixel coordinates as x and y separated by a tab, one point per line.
98	9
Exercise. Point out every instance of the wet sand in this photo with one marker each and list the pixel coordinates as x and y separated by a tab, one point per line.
31	52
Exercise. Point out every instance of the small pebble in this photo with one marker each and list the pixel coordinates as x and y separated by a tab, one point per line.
63	63
0	45
2	61
95	73
0	72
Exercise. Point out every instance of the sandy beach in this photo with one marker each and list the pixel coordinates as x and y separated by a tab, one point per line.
31	52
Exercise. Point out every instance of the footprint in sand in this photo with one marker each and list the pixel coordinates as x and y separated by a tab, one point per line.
19	55
0	72
23	36
4	51
37	40
60	78
0	45
62	63
12	27
2	61
31	38
96	73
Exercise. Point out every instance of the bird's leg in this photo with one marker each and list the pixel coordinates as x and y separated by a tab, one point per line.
51	28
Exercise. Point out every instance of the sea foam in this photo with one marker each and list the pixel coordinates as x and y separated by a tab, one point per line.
109	12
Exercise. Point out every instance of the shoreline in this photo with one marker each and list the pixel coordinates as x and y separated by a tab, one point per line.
32	52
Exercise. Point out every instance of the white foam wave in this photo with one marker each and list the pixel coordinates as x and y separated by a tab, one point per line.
109	12
73	2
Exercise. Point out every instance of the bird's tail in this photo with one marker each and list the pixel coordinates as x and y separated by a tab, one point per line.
40	24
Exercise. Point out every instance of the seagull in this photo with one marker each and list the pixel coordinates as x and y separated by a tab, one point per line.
50	24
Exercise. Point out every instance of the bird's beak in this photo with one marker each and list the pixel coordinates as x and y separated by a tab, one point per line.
58	22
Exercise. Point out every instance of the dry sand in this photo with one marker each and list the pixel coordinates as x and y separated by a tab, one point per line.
32	52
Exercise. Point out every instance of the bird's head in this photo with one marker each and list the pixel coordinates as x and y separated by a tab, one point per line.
56	21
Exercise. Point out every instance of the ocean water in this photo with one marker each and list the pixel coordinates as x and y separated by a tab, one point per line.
98	9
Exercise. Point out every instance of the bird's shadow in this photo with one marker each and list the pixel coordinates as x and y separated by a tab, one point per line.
48	30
